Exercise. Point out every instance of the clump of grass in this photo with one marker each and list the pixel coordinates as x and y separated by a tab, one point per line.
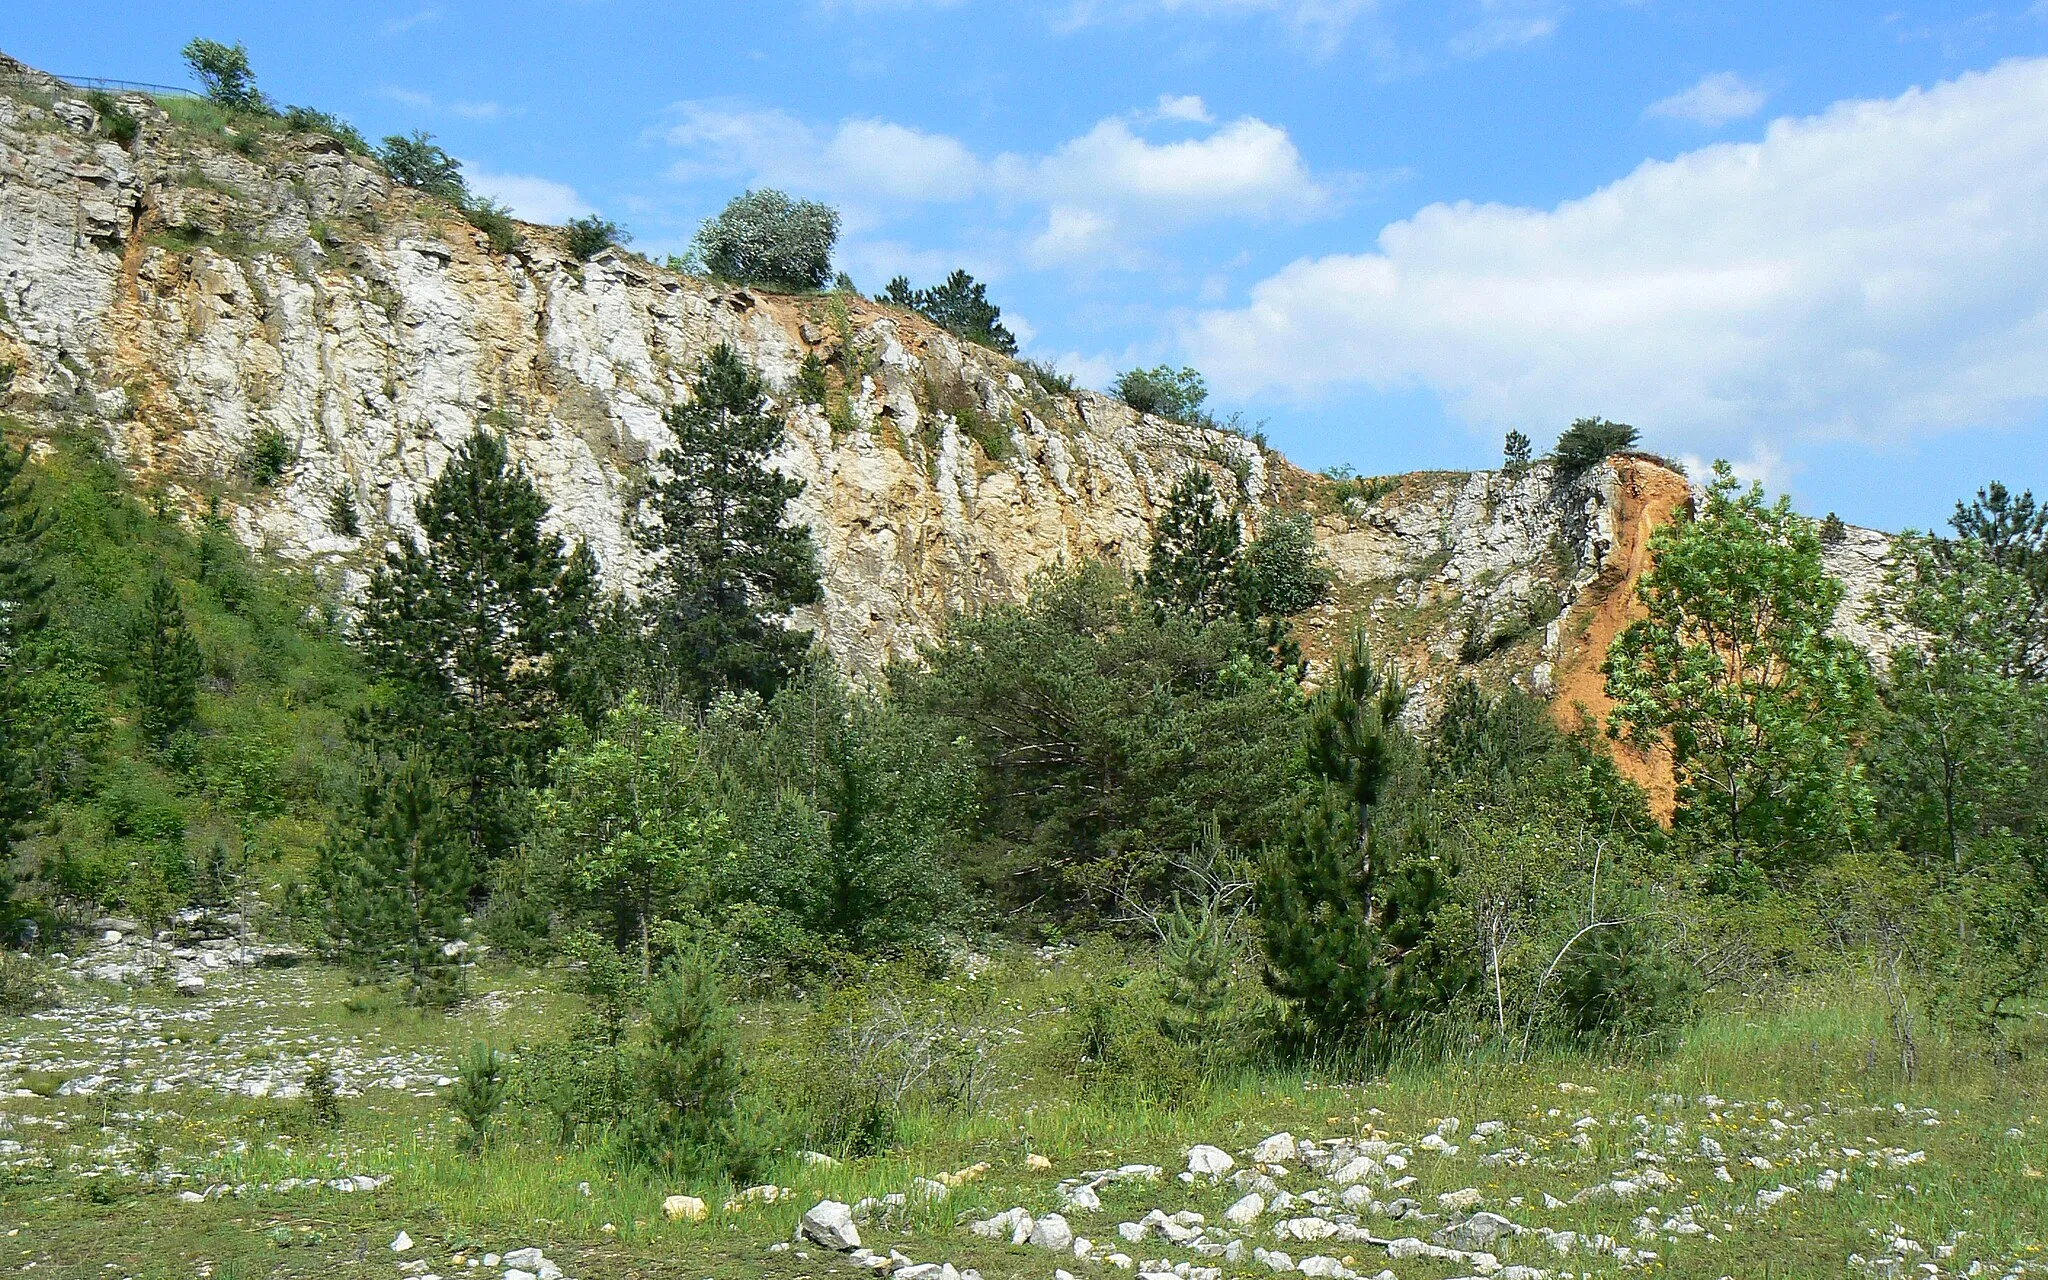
44	1084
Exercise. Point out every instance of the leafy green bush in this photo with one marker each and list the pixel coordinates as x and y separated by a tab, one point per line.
24	987
763	237
495	221
311	120
592	235
1175	394
1049	378
415	161
119	122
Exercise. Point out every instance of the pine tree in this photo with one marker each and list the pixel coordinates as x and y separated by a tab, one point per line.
689	1076
1515	453
475	627
398	876
726	565
1193	562
1347	920
342	517
22	587
166	663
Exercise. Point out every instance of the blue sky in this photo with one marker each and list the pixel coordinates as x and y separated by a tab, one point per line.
1809	237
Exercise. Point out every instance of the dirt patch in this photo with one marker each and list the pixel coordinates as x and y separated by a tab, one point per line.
1648	496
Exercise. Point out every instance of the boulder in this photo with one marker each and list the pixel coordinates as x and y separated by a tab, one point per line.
830	1224
1245	1211
1210	1162
685	1209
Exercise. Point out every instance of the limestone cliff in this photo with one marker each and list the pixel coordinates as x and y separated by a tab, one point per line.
179	294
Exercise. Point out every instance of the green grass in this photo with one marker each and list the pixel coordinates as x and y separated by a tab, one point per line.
1818	1062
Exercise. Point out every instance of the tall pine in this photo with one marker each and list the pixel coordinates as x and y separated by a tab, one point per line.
727	567
475	625
1347	918
166	663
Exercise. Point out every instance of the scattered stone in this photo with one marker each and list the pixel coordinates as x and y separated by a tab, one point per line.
1052	1232
1037	1163
1278	1149
1245	1211
830	1223
1208	1161
401	1243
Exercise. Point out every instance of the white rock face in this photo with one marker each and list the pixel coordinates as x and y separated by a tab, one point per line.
375	334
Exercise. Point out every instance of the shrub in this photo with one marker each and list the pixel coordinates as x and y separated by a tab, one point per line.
1176	394
591	236
479	1091
495	221
224	70
312	120
268	456
322	1095
1588	442
811	387
120	123
24	986
1049	379
764	237
415	161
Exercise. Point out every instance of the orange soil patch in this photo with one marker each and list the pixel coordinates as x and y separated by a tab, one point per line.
1649	495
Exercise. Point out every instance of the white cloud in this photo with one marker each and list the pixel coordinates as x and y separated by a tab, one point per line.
1713	102
532	198
478	110
1505	24
407	97
399	26
1765	465
1072	235
1247	167
1878	270
1190	108
1102	193
902	163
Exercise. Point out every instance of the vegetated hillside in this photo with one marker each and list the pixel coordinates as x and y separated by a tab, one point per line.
202	294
